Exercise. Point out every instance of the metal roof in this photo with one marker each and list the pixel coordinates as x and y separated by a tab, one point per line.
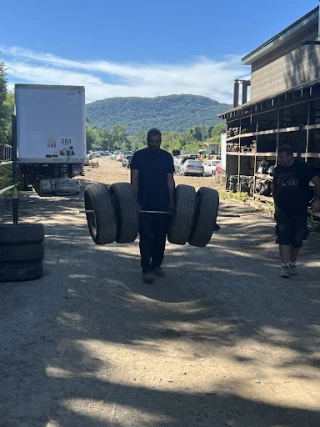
281	37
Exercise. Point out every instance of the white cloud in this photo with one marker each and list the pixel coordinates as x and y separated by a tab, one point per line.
103	79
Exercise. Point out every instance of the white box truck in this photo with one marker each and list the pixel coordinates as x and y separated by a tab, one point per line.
51	130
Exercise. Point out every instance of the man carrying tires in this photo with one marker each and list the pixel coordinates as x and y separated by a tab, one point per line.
152	180
291	198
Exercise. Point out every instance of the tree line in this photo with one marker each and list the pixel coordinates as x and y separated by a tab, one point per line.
6	108
117	138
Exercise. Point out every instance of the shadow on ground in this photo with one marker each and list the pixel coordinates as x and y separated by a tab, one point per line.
57	332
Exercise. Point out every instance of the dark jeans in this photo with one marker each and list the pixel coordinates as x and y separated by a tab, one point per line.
153	230
291	228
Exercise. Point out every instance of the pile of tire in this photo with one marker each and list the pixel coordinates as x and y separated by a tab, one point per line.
112	214
21	252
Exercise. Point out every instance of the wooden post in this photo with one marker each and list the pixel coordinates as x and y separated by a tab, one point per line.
239	157
278	135
308	132
255	157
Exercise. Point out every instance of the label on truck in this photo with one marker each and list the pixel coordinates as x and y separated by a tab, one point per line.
51	124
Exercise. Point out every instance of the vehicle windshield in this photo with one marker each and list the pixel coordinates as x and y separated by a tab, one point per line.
193	162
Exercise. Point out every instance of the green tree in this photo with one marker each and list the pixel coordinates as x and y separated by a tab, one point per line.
139	140
9	106
218	129
98	139
171	141
119	137
186	139
196	132
3	106
90	137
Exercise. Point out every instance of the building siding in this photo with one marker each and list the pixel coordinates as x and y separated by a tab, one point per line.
287	66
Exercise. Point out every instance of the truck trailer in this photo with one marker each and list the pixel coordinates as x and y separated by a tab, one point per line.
51	131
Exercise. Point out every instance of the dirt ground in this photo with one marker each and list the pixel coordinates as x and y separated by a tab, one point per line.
222	340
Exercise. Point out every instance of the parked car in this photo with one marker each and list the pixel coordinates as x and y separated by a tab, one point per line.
124	154
210	167
97	153
179	160
115	154
192	167
126	162
119	155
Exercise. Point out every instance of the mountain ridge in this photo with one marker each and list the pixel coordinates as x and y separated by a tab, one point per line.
168	113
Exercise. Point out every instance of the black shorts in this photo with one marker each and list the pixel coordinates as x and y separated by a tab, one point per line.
291	229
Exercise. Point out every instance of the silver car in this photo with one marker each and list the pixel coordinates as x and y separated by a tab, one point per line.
192	167
210	167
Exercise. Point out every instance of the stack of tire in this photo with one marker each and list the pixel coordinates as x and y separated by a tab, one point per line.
21	252
112	214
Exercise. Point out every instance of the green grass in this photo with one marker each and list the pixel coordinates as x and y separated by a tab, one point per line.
313	224
244	197
5	177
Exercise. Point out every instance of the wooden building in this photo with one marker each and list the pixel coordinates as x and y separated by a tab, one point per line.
284	105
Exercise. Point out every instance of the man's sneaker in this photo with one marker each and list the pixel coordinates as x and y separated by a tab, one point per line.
147	276
158	271
285	272
292	269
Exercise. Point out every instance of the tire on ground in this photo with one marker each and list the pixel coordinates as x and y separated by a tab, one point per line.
102	223
22	252
21	271
15	234
126	212
205	222
182	221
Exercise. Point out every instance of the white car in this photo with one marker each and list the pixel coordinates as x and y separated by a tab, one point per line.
114	155
210	167
192	167
179	160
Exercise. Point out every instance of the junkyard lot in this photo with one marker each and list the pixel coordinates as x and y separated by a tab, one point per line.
222	340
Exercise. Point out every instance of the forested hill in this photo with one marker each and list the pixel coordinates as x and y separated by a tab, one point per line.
168	113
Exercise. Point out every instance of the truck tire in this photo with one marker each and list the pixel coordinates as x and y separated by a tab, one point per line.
21	271
102	222
126	212
16	234
182	221
22	252
205	222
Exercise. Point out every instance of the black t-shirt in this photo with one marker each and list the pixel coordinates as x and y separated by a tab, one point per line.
153	178
291	186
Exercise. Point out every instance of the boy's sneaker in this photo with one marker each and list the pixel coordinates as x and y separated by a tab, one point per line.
158	271
292	269
285	271
147	276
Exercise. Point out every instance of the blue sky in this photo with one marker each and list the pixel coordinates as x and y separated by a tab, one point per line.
139	47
